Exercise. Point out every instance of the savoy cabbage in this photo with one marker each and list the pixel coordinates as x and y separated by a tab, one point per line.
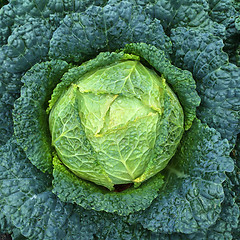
120	119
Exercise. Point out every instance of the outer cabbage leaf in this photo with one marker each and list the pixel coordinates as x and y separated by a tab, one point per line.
9	90
222	229
221	10
70	188
176	13
27	199
226	226
237	27
237	54
8	230
29	112
225	12
51	12
227	221
192	196
228	218
217	80
105	201
231	42
180	81
235	182
105	28
27	45
181	13
5	226
189	13
6	21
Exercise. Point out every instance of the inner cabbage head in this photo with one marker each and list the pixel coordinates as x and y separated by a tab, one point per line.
116	125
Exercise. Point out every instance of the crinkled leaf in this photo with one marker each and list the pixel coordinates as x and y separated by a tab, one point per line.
177	13
26	198
225	225
235	181
19	12
220	92
235	176
103	59
183	13
191	198
27	45
231	41
222	229
6	21
70	188
180	81
82	35
217	80
7	229
190	13
30	118
5	225
221	10
228	218
9	90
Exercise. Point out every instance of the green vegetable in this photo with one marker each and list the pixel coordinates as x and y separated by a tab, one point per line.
119	119
106	127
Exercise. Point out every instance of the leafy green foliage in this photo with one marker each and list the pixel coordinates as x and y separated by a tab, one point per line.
105	28
235	181
29	112
185	189
213	79
9	91
221	10
8	230
70	188
41	40
181	81
224	227
39	214
125	106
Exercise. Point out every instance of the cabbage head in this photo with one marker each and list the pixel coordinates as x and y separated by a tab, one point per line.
119	119
118	124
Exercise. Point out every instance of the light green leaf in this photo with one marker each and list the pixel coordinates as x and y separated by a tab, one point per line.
71	142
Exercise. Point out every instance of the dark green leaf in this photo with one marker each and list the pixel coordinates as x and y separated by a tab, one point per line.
192	196
217	81
108	28
30	117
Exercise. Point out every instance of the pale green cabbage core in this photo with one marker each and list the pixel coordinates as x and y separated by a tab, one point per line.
111	126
